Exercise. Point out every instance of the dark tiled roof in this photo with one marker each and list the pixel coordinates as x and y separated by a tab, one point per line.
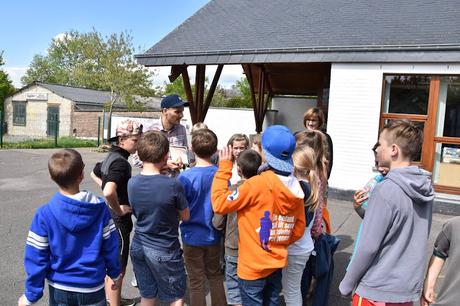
242	31
88	99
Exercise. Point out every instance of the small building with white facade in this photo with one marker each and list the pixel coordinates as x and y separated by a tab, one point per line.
31	111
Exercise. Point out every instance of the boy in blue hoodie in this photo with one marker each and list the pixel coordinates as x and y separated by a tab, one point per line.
72	241
388	263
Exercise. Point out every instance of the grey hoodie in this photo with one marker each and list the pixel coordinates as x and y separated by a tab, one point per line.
390	260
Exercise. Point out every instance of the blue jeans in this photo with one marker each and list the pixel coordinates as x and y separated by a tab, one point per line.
231	279
263	291
59	297
159	274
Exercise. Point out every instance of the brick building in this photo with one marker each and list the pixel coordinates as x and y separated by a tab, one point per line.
31	110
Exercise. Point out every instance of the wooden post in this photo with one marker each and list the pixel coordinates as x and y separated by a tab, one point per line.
199	92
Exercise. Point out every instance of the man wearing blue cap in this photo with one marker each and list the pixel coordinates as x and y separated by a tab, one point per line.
270	216
172	111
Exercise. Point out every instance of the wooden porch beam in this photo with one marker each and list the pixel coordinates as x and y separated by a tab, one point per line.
176	71
199	92
189	94
212	89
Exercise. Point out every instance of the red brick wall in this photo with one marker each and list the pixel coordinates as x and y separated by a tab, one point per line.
85	123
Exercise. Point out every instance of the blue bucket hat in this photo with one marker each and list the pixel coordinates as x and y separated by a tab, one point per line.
278	144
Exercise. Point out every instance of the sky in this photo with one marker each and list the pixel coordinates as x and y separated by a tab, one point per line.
29	26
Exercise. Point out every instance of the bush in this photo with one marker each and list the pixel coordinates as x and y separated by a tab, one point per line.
47	143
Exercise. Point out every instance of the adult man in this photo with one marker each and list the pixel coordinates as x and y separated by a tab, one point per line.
172	111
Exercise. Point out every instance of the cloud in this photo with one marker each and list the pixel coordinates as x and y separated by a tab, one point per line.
230	74
60	36
15	74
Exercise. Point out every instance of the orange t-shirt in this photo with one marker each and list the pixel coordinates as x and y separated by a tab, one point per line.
270	217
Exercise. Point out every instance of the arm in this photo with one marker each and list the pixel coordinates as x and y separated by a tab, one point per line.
219	221
377	221
440	254
224	201
359	198
110	194
96	174
434	268
110	247
36	260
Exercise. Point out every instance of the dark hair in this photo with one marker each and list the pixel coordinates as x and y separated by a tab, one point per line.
65	167
249	162
204	143
406	135
152	147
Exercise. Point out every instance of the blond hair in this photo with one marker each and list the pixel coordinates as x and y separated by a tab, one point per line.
317	141
304	159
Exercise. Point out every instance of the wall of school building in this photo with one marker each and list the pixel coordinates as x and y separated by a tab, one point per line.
354	113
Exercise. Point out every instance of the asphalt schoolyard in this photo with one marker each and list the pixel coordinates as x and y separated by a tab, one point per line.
25	185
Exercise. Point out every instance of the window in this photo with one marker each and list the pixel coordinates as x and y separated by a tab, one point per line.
406	94
19	113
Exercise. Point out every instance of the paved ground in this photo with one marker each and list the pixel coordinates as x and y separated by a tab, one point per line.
25	185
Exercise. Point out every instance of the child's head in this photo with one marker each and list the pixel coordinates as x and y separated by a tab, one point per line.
313	119
66	168
278	144
153	147
304	159
380	166
239	143
248	163
399	141
198	126
127	134
204	143
315	140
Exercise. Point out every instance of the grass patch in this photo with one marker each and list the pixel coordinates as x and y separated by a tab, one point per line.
48	143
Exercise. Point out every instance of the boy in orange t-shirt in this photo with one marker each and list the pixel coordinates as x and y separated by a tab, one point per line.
270	216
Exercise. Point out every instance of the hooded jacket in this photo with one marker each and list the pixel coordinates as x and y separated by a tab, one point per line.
73	244
270	217
388	263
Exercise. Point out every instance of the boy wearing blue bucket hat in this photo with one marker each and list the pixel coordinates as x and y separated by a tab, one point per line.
270	216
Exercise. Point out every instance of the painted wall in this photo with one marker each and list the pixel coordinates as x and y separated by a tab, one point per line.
354	113
36	114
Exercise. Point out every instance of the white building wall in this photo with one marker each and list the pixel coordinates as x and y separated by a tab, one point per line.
354	114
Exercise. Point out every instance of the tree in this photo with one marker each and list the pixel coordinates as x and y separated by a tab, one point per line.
6	87
93	61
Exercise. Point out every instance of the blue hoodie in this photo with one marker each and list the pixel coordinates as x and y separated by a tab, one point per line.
72	242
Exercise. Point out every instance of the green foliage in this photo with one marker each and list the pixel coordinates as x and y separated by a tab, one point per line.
93	61
46	143
6	87
239	96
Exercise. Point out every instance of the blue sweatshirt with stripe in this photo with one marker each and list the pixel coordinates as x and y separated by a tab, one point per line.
73	243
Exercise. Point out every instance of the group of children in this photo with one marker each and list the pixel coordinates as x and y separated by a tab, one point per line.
266	204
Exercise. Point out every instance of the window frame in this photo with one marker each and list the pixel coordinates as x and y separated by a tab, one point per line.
16	115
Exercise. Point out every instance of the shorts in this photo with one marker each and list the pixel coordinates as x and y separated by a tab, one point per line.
159	274
360	301
124	227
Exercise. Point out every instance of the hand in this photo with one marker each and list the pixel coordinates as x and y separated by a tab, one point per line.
174	165
117	282
22	300
124	210
360	197
226	153
428	297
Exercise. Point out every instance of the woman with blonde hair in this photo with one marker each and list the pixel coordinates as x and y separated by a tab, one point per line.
304	159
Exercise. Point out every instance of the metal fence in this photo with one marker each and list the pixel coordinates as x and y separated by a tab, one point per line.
49	130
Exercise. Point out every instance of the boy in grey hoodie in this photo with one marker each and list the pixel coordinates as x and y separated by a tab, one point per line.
388	264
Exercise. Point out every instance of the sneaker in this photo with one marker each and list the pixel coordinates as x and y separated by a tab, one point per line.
127	302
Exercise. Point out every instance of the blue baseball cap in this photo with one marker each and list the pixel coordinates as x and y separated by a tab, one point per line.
278	144
173	101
